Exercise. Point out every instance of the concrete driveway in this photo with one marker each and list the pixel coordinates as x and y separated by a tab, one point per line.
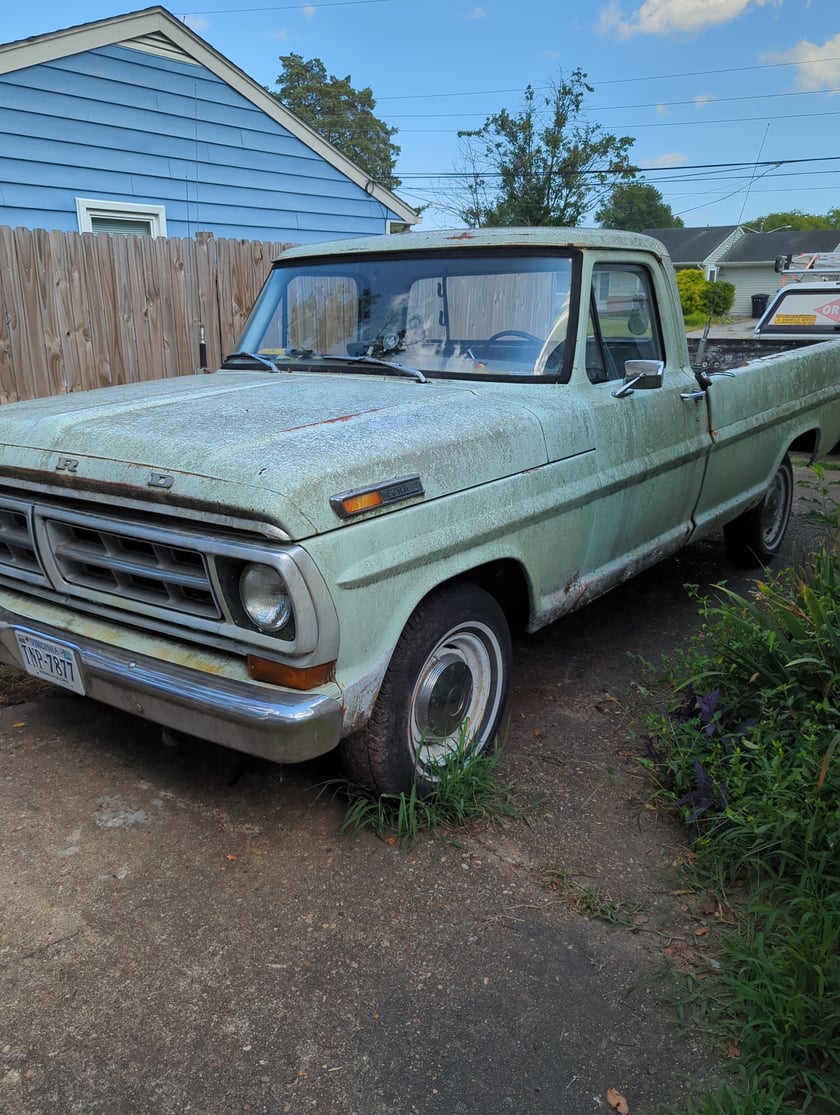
185	930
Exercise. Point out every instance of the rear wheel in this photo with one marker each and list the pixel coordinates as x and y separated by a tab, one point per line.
756	537
446	685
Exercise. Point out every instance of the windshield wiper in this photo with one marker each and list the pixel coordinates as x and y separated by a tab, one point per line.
268	363
309	354
400	369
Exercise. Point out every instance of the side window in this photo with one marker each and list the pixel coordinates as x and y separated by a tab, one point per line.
624	314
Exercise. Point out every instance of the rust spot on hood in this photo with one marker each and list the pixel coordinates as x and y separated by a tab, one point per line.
330	421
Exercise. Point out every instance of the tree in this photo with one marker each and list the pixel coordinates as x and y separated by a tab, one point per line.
343	115
795	219
634	207
542	165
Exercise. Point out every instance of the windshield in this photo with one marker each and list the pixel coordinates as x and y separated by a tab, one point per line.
471	315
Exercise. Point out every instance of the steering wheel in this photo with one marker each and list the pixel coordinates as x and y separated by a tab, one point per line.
515	334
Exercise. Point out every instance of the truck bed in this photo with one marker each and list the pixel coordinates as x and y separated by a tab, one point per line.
719	353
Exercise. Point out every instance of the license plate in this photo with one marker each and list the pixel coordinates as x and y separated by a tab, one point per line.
52	661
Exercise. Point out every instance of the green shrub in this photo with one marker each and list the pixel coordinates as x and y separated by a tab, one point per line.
718	298
750	755
691	286
700	296
751	749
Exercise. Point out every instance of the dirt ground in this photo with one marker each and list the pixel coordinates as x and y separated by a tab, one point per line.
187	930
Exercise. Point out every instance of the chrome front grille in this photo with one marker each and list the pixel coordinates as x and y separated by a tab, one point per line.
127	565
17	545
152	573
131	567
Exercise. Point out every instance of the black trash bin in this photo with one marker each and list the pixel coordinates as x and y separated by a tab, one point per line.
759	304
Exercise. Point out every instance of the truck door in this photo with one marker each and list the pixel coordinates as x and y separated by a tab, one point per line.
651	445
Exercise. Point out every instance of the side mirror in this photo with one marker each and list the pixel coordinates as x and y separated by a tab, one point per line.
640	375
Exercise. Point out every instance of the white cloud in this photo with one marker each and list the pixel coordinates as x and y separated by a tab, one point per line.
703	99
817	67
197	23
309	11
477	13
674	158
662	109
668	17
281	34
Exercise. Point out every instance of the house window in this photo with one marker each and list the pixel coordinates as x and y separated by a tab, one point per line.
127	218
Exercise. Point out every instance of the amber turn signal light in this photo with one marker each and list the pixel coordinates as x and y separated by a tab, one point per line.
352	505
346	504
292	677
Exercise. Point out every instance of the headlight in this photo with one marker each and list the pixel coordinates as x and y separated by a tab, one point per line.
265	597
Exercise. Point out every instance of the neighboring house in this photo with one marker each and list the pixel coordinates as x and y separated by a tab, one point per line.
136	124
750	263
698	247
734	254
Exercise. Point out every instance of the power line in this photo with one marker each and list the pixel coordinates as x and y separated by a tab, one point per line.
667	123
651	104
724	120
617	80
746	165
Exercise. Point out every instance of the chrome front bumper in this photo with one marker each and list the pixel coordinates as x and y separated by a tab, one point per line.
277	724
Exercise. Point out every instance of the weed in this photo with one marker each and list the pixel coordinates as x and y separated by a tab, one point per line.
17	687
466	786
750	755
819	494
587	900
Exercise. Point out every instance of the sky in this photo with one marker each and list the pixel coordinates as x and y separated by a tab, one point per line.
734	105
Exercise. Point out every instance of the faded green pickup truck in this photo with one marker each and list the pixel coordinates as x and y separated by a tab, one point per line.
420	443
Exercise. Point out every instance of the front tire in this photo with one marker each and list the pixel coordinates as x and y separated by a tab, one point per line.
756	537
447	682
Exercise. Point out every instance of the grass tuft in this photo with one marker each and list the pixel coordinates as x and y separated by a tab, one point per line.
587	900
466	787
17	687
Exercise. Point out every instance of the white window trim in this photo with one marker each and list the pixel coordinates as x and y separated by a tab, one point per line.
87	208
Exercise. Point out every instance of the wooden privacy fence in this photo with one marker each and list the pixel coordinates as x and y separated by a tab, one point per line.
82	311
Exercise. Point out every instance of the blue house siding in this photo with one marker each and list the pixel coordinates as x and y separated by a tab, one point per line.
122	124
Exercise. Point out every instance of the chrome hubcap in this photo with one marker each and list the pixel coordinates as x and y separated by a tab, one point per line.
456	698
444	696
773	511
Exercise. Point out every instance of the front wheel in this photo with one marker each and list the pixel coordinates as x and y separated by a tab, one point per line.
756	537
446	686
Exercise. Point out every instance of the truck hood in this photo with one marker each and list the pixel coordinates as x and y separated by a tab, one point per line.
272	448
